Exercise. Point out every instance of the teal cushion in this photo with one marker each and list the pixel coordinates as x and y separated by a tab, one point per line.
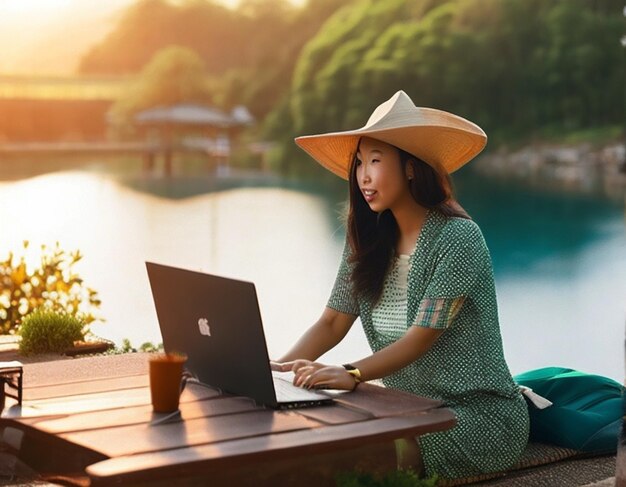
586	413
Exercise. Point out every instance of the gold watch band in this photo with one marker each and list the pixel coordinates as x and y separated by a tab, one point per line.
354	372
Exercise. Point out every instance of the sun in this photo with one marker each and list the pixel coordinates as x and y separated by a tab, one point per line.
35	8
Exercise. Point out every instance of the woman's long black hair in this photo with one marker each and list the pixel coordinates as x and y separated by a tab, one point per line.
373	236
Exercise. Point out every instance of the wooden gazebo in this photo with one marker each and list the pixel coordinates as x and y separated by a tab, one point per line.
193	128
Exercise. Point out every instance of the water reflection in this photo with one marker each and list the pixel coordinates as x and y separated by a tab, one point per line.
528	229
560	265
278	238
559	259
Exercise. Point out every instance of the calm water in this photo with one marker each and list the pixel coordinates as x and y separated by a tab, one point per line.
560	259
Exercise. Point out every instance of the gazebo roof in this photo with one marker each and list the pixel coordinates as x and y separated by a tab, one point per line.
195	115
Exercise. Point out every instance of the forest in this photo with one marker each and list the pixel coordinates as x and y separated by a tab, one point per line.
524	70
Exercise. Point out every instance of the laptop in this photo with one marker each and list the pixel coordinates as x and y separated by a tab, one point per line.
216	321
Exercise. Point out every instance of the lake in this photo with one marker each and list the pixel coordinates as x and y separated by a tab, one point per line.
559	257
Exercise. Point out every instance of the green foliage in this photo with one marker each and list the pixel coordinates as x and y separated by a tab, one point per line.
512	66
518	63
52	284
150	347
127	347
174	75
48	331
148	26
396	478
597	136
250	53
516	67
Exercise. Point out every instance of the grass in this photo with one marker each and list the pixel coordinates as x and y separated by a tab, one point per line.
46	331
395	478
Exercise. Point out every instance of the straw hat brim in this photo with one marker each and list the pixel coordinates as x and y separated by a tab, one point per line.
441	139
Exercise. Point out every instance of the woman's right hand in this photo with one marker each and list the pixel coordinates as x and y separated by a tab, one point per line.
294	365
277	366
297	365
302	370
309	374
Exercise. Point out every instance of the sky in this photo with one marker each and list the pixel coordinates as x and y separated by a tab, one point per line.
48	37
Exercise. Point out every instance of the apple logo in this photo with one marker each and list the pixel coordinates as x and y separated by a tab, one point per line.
203	325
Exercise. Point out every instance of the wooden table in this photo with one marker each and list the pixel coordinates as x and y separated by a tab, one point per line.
91	420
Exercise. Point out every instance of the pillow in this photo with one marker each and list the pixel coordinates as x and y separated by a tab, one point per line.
586	414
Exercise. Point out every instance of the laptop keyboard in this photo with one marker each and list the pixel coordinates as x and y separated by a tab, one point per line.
287	392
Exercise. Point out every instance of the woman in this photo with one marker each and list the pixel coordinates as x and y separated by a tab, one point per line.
416	270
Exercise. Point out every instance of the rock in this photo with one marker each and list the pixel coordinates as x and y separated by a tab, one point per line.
579	168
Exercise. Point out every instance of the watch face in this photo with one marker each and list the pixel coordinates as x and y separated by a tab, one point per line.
349	367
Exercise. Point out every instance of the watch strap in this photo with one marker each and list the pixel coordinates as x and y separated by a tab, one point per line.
354	372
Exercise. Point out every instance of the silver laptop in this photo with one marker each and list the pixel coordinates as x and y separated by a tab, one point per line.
216	321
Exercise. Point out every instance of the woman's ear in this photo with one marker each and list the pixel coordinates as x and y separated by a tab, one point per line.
409	169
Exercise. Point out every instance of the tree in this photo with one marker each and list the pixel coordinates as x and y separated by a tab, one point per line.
516	67
216	33
175	75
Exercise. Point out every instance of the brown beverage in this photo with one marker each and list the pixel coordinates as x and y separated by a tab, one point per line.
166	372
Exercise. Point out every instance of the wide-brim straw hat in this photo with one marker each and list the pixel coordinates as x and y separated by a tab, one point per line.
441	139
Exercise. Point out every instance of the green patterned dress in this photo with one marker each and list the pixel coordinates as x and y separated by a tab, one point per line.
447	283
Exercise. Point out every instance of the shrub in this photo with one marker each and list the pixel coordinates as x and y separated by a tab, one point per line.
45	331
127	347
53	283
395	478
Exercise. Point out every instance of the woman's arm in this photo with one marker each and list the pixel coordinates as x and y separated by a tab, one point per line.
327	332
415	343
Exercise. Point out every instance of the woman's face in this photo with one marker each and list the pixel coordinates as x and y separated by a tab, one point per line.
380	175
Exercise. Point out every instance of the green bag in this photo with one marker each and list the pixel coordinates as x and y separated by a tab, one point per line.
586	412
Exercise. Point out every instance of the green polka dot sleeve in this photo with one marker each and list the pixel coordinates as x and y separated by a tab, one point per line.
461	259
342	296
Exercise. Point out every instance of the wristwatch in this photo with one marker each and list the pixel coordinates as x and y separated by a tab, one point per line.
354	372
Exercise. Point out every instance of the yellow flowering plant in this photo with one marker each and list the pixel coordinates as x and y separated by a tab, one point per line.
52	284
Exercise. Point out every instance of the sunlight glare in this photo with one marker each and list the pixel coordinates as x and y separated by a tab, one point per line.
235	3
36	8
